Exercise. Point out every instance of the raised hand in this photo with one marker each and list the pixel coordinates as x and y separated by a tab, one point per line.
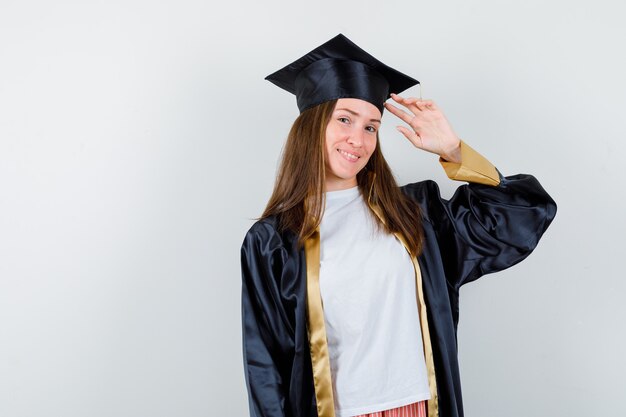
428	127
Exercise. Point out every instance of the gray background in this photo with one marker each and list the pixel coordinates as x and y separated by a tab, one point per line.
138	140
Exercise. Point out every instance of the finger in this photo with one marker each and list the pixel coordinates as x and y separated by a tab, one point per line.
404	116
411	135
415	103
418	105
421	104
407	102
431	105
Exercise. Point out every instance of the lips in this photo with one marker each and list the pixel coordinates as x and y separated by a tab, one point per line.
348	156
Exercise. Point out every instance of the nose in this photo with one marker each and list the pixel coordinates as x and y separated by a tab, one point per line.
356	137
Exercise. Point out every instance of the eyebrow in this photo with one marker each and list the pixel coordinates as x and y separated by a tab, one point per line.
357	114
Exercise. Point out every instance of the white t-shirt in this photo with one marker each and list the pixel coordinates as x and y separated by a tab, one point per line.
367	284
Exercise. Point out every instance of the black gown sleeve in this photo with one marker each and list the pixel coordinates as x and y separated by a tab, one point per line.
263	328
485	228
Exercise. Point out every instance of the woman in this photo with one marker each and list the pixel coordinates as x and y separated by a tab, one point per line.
350	283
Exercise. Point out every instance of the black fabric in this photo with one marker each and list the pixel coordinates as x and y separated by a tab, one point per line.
480	230
340	69
330	79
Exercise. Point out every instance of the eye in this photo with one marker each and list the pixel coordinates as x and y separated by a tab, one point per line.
344	120
371	129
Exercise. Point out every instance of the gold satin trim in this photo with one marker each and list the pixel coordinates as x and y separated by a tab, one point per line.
316	328
473	168
433	403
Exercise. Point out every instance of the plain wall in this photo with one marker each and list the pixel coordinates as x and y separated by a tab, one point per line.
138	140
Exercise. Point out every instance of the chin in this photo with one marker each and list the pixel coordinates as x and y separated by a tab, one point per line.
348	175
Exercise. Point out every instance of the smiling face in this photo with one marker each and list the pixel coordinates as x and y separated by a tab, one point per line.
350	140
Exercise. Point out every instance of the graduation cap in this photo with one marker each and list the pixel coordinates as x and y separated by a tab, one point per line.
340	69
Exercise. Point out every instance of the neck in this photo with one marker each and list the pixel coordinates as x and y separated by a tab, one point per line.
339	184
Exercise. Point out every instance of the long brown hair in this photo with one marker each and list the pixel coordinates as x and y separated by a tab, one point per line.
298	198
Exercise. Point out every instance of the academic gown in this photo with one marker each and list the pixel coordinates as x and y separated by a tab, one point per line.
489	224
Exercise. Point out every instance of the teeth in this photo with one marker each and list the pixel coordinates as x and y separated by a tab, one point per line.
349	155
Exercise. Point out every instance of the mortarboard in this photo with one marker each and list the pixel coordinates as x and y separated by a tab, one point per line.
340	69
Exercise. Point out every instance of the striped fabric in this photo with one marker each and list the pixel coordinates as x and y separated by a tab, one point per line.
417	409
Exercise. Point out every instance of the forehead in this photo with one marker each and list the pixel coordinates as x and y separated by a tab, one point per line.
362	107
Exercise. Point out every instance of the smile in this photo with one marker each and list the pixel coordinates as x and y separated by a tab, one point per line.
350	157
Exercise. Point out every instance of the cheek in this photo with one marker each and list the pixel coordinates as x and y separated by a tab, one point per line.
327	144
371	146
329	139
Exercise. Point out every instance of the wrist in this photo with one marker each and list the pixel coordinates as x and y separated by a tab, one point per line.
453	155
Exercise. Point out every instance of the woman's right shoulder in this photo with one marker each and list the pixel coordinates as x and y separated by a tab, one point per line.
267	232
